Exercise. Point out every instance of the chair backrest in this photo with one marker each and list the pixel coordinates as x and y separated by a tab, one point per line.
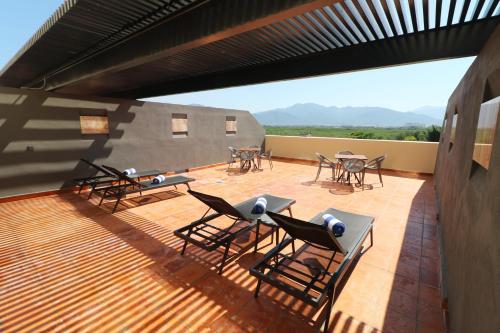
345	152
95	166
122	176
376	162
353	165
312	233
247	155
218	204
323	159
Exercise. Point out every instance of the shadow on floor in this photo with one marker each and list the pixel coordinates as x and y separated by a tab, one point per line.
141	200
414	302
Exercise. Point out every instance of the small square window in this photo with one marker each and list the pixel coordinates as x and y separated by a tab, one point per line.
179	125
443	128
231	126
485	132
94	124
453	131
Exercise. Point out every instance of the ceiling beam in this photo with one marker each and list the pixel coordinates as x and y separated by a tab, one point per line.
209	22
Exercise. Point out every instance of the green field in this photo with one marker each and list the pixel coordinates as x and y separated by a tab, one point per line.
379	133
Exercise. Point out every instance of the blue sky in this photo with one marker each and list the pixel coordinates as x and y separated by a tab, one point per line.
401	88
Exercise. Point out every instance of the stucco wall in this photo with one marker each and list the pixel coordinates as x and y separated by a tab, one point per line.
401	155
140	137
469	203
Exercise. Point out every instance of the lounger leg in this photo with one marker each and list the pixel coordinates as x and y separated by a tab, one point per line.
329	308
184	247
117	202
256	294
224	258
81	188
290	211
175	186
256	237
293	246
380	177
103	196
91	191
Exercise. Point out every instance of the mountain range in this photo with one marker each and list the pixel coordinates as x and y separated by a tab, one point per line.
310	114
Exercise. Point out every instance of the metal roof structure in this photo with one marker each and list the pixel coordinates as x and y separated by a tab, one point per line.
144	48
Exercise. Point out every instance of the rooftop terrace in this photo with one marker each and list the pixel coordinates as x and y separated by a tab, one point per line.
69	265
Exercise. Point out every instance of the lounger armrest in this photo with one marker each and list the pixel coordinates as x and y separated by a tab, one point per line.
90	178
277	249
197	222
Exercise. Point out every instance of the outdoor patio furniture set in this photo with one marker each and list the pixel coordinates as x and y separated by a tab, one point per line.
285	267
347	165
249	157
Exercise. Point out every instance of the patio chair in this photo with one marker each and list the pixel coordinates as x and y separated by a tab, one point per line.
354	167
105	177
268	155
314	271
234	154
376	164
325	163
131	186
211	236
247	160
340	170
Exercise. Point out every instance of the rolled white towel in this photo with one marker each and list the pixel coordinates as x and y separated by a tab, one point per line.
129	171
159	179
333	225
260	206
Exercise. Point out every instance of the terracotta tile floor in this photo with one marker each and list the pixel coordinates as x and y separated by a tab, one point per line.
68	265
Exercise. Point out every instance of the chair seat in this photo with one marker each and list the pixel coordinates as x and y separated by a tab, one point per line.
274	204
357	226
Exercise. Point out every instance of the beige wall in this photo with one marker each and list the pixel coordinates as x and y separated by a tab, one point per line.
469	202
401	155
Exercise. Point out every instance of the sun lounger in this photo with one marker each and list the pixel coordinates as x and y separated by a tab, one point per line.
127	185
103	183
211	236
105	177
312	272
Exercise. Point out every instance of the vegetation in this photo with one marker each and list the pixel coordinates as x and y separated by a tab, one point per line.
412	133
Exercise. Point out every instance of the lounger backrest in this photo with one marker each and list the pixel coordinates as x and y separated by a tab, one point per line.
309	232
218	204
104	171
122	176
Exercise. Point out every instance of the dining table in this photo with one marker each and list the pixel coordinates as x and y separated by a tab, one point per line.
350	157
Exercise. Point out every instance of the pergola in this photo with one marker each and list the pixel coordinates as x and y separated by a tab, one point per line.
137	49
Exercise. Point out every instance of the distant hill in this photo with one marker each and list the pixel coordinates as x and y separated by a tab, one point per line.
311	114
436	112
